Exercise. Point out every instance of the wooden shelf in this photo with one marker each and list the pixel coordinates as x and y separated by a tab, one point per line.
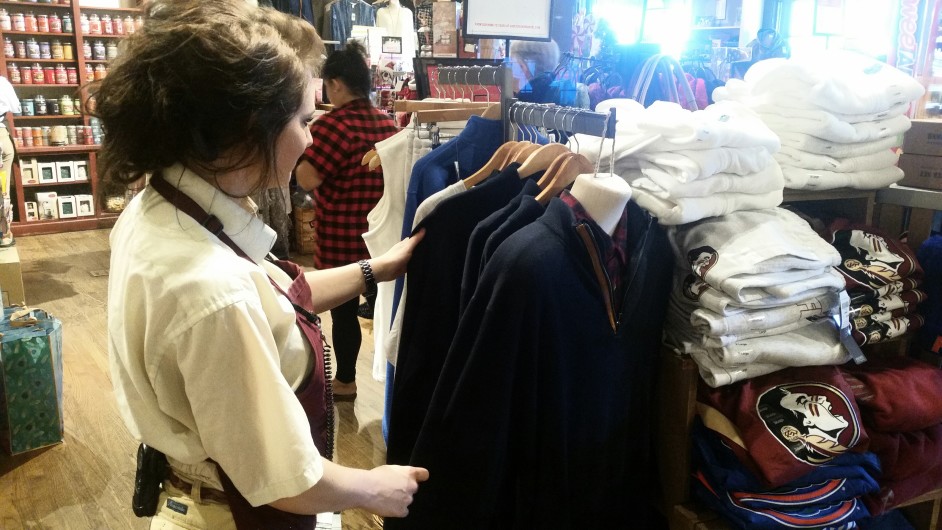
132	10
56	184
49	117
45	85
98	61
15	33
93	36
58	150
25	60
31	5
60	225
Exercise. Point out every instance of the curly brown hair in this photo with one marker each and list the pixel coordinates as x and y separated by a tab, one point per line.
202	80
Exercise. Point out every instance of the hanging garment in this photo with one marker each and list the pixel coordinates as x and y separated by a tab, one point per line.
399	22
431	304
306	9
539	419
342	15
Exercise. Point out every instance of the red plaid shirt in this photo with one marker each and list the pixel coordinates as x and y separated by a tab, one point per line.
349	191
614	249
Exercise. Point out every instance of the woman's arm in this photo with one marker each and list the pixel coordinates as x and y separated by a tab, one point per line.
332	287
308	178
384	490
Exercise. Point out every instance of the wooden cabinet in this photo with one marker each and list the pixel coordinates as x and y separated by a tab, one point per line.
71	53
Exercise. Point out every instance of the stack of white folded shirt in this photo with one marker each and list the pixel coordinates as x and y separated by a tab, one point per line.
752	294
839	116
685	166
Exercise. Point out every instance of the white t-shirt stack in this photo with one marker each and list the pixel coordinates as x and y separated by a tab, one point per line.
685	166
839	116
752	293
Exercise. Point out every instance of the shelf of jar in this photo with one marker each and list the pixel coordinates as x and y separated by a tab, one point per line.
48	117
12	32
57	150
22	60
98	61
131	10
44	85
31	5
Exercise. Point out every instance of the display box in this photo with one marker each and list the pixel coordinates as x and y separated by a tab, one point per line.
80	170
47	173
65	171
48	206
31	406
921	171
32	211
29	171
923	138
11	277
67	208
85	205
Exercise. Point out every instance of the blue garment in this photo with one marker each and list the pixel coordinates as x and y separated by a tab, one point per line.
930	257
298	8
892	520
344	14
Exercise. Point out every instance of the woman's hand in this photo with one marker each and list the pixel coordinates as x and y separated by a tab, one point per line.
392	489
392	264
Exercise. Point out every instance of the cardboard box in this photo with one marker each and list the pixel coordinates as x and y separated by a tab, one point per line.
67	208
65	171
924	138
921	171
85	204
11	277
32	211
48	205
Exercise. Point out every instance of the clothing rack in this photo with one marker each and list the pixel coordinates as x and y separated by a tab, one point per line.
568	119
499	76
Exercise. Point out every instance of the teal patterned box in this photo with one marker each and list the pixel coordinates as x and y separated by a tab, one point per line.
30	383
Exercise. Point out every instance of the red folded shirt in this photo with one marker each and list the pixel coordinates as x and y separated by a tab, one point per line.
907	454
896	393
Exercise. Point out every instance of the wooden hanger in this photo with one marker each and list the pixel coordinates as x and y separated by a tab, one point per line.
574	165
524	153
515	152
375	163
492	165
541	158
413	106
370	155
454	114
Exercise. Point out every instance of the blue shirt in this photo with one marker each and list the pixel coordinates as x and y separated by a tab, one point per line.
344	14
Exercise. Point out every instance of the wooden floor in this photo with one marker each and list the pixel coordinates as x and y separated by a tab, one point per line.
86	482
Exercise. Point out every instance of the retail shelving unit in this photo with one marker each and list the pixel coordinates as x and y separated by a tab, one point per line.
21	191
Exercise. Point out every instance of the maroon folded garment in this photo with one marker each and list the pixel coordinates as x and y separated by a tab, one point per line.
895	492
896	393
792	420
871	259
889	330
906	454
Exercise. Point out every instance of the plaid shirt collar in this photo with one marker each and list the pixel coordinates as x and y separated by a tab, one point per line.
613	248
359	103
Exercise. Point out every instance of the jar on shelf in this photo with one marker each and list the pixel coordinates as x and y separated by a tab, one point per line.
91	104
89	72
59	135
45	50
27	137
94	24
129	25
9	51
20	49
107	27
47	134
138	22
71	73
68	51
53	105
56	49
98	50
6	23
30	19
38	76
111	50
67	23
26	75
118	25
19	21
55	23
18	136
42	23
38	136
66	106
62	76
32	49
13	71
49	75
70	132
65	2
79	134
86	49
100	72
40	102
84	24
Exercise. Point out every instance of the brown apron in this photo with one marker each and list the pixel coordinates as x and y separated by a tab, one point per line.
315	393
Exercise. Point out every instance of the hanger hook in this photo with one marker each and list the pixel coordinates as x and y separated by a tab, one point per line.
572	126
598	160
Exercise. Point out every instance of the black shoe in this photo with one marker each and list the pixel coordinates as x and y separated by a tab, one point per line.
365	311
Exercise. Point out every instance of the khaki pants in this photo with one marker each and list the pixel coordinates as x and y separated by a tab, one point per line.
200	515
6	213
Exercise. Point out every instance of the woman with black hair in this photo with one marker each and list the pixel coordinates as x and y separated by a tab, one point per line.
344	190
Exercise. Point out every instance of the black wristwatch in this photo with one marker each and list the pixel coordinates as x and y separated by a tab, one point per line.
368	277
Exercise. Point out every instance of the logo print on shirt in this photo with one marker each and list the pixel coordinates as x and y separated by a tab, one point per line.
814	421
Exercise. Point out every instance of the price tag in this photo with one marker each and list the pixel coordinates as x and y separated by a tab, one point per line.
840	315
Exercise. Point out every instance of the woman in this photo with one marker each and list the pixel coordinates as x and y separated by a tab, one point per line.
216	355
344	190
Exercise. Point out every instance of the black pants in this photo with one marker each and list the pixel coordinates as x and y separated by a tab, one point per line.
347	338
